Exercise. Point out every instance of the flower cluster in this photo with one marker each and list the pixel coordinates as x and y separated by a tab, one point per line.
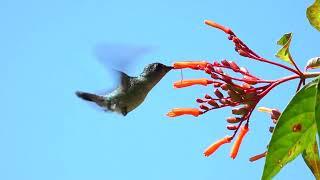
234	86
241	93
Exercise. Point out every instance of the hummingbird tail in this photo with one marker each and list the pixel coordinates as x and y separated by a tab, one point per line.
90	97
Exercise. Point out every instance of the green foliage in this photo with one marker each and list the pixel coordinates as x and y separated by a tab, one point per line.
311	157
317	107
313	14
292	134
313	63
284	52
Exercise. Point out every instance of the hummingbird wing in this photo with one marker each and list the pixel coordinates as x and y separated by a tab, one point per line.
119	56
124	80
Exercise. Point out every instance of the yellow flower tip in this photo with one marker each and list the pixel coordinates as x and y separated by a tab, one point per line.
209	22
235	148
213	147
171	114
189	64
183	111
264	109
191	82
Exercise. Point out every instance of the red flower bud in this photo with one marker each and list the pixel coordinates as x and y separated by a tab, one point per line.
214	76
213	103
200	101
231	127
234	66
215	63
224	101
240	111
234	96
207	96
225	87
246	86
257	157
225	63
216	84
244	70
218	93
249	79
208	70
243	53
233	120
204	107
217	70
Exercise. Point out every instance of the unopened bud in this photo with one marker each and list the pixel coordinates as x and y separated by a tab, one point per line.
200	100
243	53
235	40
249	79
216	63
214	76
246	86
234	96
209	66
231	127
207	96
226	78
244	70
240	111
224	101
234	66
239	90
225	87
233	120
216	84
204	107
218	93
275	114
218	70
225	63
208	70
230	37
213	103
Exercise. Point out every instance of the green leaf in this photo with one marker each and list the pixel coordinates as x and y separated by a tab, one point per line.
311	157
317	107
313	14
291	135
284	52
313	63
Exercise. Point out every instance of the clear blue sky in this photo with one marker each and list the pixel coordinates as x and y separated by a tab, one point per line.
46	52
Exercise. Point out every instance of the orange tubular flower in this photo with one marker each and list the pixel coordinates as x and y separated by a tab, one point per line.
237	143
189	64
190	82
218	26
182	111
213	147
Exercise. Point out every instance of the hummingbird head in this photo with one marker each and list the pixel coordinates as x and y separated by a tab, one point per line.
155	71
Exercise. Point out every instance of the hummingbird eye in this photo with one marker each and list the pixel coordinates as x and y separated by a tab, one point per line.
157	67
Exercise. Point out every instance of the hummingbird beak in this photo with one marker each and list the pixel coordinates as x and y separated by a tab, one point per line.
168	68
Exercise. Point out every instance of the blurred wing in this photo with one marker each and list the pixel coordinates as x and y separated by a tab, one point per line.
119	56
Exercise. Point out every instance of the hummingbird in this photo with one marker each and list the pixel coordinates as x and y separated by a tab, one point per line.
130	92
